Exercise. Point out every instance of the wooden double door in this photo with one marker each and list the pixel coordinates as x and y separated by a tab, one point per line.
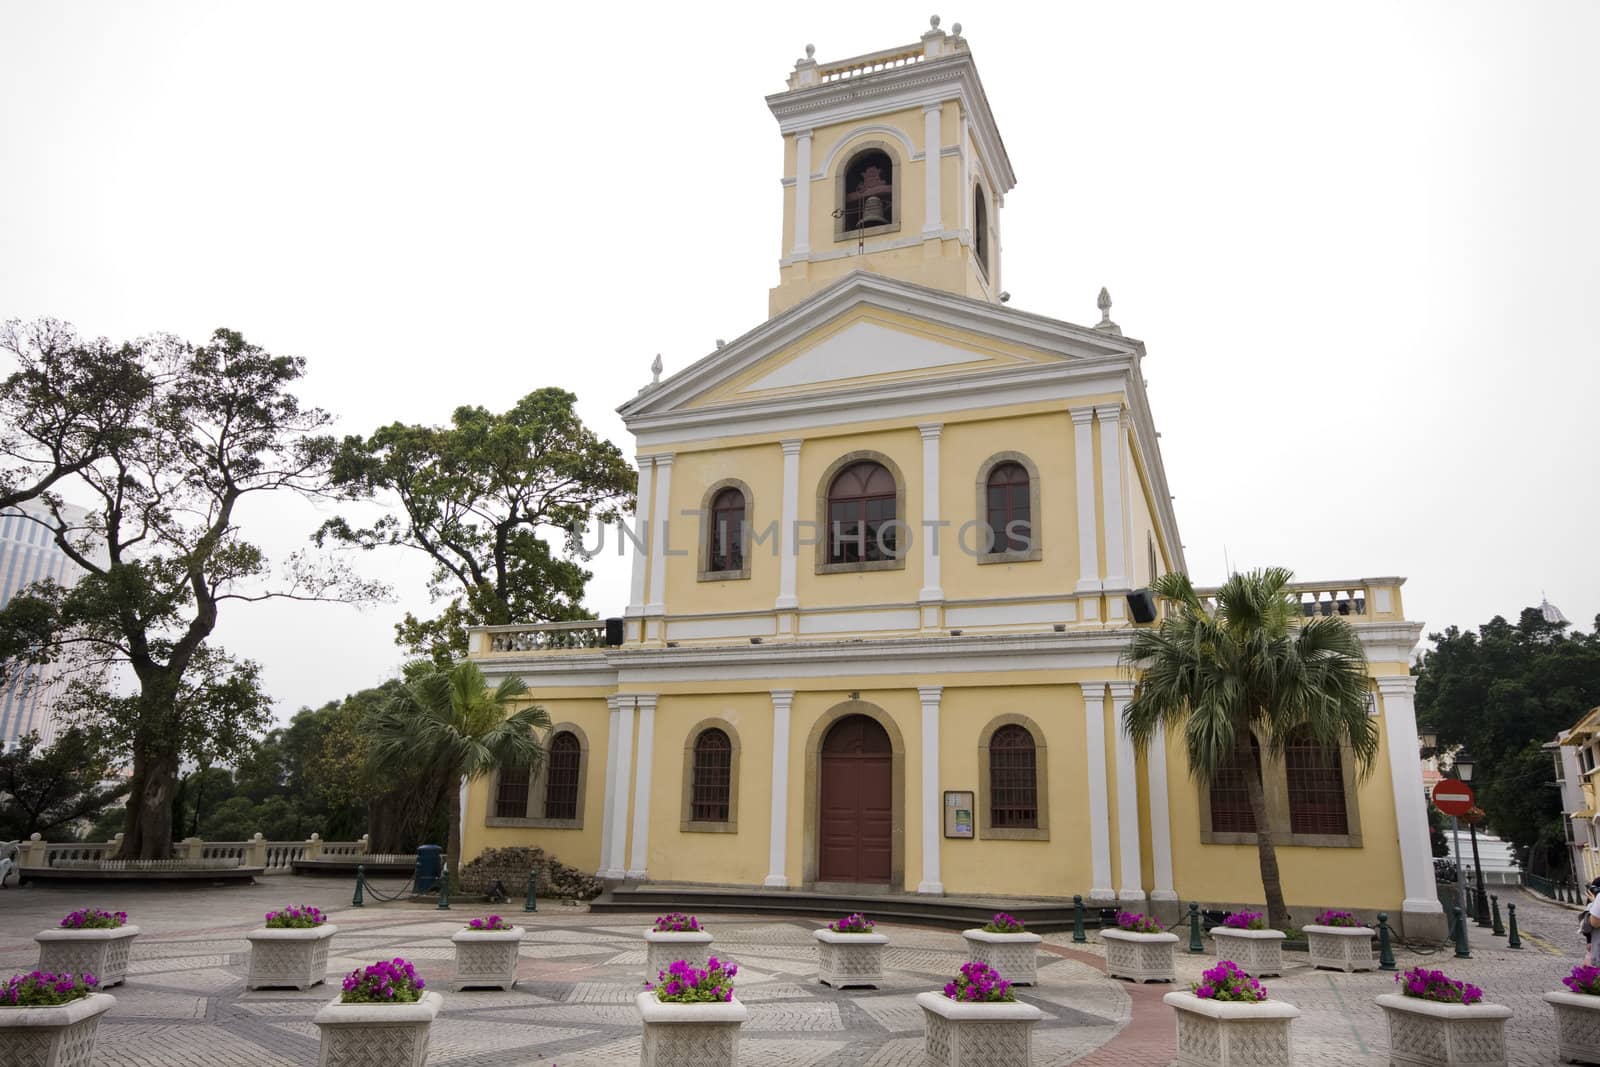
856	796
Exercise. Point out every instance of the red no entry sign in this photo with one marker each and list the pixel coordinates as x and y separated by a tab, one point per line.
1453	797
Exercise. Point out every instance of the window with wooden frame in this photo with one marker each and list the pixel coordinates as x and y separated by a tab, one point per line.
725	535
562	760
980	229
709	799
511	794
1013	779
1010	508
861	515
1230	794
1316	787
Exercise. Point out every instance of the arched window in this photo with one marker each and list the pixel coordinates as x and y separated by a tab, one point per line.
1010	510
713	777
980	228
861	514
561	777
511	795
1013	779
725	535
1230	794
868	191
1316	787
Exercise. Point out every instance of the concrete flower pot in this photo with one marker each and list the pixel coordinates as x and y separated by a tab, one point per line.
1577	1026
705	1035
957	1034
1013	955
487	959
849	959
1140	957
289	958
1425	1033
1224	1033
693	947
59	1036
1340	948
1257	952
102	953
395	1035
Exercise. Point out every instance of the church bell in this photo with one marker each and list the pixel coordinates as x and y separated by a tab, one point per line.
872	212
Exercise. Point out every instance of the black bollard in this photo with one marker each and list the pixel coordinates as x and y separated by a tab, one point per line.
444	887
1515	939
359	901
1499	928
1385	949
533	887
1463	950
1195	944
1077	919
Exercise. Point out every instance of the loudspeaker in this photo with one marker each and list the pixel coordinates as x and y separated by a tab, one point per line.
1142	605
613	632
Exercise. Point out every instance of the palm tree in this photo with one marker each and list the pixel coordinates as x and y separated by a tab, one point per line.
448	717
1240	669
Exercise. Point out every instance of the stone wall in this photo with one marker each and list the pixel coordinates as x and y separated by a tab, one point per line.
510	866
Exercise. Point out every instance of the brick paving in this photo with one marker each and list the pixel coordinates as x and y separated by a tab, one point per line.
185	1002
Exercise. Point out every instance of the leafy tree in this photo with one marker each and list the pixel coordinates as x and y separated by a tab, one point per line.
163	554
45	789
480	497
1249	667
449	719
1501	692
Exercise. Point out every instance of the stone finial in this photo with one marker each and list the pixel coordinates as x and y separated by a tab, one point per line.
811	52
655	370
1105	323
955	30
933	22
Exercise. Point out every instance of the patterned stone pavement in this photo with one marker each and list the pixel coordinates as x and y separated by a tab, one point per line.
185	1002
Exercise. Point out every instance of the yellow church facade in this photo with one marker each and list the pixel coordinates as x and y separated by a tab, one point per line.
890	545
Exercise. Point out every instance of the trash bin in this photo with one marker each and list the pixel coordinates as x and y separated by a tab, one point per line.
430	859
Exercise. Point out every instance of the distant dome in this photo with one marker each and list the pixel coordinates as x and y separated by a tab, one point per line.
1551	613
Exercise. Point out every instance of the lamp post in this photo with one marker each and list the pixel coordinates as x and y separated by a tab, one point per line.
1480	913
1463	765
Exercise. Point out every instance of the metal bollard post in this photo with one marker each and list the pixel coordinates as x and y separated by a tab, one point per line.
358	901
1077	919
1499	928
1515	939
1463	950
444	887
533	886
1385	949
1195	944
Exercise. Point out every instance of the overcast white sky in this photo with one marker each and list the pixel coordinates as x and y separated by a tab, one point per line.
1359	239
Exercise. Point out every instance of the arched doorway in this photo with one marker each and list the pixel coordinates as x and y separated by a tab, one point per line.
856	803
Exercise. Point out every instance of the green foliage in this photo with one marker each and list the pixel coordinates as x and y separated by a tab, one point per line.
1502	692
1248	665
481	497
46	789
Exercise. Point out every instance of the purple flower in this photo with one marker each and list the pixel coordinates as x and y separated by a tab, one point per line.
1437	986
1004	923
677	923
979	983
684	983
1245	920
1337	918
1228	981
1135	923
386	980
94	919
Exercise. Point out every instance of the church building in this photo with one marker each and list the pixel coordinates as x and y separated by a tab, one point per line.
899	535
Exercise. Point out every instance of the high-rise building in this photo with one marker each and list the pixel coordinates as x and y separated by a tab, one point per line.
27	555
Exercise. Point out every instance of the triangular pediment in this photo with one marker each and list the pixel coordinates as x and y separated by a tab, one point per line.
868	332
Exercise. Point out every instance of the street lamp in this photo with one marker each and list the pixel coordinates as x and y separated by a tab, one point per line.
1463	765
1428	737
1480	910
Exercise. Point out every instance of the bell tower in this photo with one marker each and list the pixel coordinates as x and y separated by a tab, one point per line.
892	164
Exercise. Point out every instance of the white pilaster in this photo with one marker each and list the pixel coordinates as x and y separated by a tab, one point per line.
778	856
617	802
788	558
641	523
660	518
802	194
1130	886
1088	528
1160	818
1094	747
1410	807
931	163
932	588
1110	416
932	810
638	864
608	827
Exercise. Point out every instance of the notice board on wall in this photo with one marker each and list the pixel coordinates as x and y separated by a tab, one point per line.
958	812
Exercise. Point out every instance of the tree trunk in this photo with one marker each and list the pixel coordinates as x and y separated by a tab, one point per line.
148	834
1271	879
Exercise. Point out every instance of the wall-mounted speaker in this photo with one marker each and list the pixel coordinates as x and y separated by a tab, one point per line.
613	632
1142	605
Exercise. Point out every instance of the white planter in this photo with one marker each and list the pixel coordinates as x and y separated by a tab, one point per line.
1013	955
1141	957
1219	1033
294	959
977	1035
1341	948
59	1036
1577	1026
690	1035
1257	952
102	953
845	960
359	1035
487	958
1425	1033
666	948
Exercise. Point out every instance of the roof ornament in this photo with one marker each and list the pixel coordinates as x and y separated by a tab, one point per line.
955	29
655	370
1105	322
933	22
1551	613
